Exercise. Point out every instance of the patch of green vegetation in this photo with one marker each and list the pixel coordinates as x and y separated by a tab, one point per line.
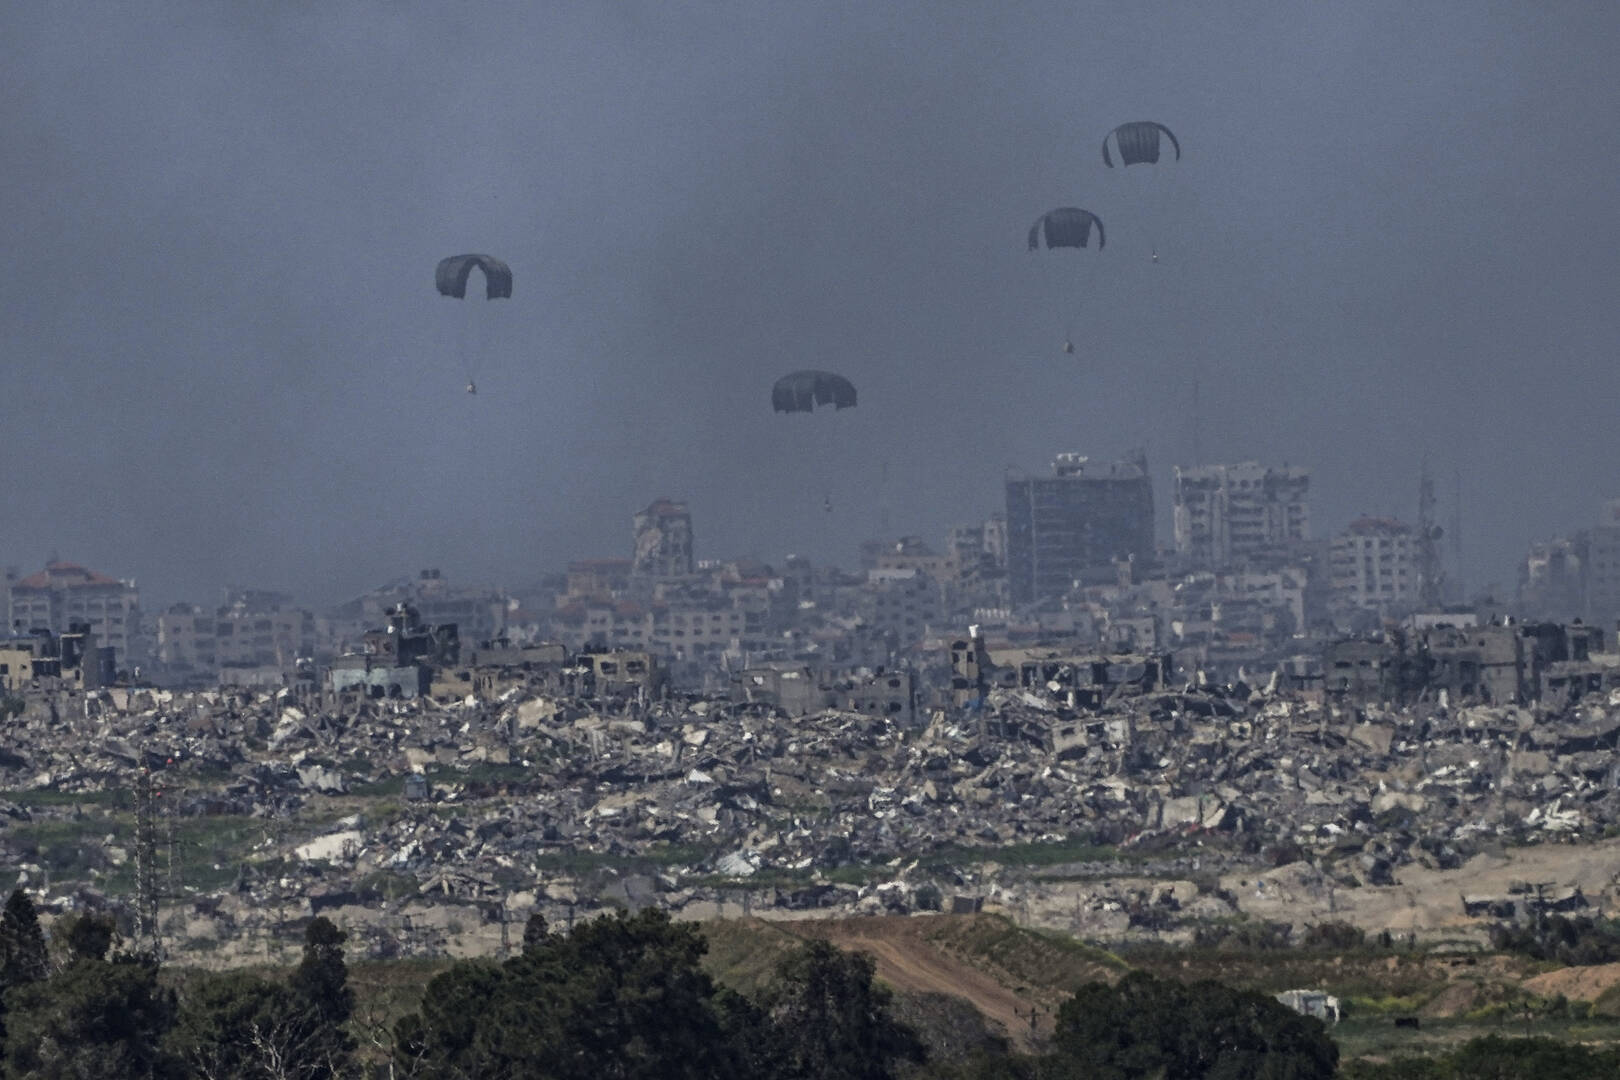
1046	965
1377	1039
1386	1006
205	851
743	953
480	775
389	787
1362	973
490	773
206	776
1040	853
39	798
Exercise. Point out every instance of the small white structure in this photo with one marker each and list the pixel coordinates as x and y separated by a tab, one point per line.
1317	1003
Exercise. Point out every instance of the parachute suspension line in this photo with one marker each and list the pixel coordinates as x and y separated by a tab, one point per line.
471	330
475	348
1068	227
1151	206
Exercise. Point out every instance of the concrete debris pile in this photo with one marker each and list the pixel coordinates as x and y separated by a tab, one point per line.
392	810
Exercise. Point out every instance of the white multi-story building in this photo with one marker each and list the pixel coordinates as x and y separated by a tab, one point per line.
1224	512
66	594
252	629
1374	564
186	638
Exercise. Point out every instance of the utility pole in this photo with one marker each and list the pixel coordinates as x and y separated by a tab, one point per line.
146	892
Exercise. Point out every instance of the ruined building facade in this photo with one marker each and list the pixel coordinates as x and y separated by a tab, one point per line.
663	540
1226	512
1576	576
1078	520
480	611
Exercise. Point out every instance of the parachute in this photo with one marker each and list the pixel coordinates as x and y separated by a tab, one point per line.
802	391
1138	143
452	273
472	331
1067	226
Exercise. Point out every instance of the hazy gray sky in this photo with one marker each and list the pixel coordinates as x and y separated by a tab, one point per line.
1392	234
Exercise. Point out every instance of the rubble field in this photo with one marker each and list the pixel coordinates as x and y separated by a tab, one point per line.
432	828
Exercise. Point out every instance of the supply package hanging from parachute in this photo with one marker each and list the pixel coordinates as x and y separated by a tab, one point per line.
1067	227
452	277
802	391
1140	142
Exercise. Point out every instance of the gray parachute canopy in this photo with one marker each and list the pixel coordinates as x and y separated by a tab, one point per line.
1067	226
802	391
1138	143
451	276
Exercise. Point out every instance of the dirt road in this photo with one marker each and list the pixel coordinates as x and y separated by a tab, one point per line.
908	961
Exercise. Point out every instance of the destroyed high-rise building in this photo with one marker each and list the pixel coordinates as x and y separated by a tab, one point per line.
1226	512
479	611
1078	520
1576	575
663	540
981	545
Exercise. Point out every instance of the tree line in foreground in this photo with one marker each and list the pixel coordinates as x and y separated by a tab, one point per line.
625	997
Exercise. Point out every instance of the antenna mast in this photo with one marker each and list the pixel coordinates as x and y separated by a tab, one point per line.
1431	579
146	890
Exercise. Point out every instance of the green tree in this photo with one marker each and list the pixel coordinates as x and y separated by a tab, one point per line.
621	997
1151	1027
87	936
22	949
22	943
535	932
94	1018
321	987
239	1025
834	1019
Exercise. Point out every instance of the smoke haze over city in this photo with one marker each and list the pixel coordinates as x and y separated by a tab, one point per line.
1390	241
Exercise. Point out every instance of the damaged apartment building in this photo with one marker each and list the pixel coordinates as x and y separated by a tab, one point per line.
480	612
1077	680
43	661
1504	663
397	661
1577	574
798	689
1074	525
1225	514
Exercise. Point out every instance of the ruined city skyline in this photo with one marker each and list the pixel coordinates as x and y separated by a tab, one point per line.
1388	243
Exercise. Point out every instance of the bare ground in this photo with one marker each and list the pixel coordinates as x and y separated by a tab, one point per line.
908	961
1428	902
1576	983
